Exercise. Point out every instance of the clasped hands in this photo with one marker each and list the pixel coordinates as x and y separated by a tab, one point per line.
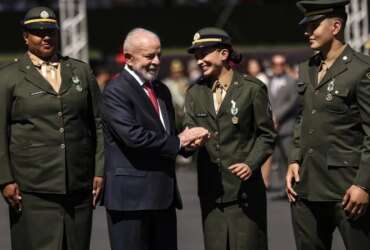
193	138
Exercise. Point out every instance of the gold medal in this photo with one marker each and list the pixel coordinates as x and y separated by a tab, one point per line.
235	120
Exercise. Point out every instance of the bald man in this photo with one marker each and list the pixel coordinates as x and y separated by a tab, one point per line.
141	146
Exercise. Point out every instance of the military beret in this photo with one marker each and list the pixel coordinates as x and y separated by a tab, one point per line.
209	36
40	18
315	9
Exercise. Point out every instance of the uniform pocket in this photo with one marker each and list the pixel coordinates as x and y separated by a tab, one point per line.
336	101
343	159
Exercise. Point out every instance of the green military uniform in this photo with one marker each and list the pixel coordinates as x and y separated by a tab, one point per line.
51	146
332	146
233	211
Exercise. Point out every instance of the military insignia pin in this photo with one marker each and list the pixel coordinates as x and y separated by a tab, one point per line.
44	14
75	79
329	97
331	85
196	36
78	88
234	111
368	75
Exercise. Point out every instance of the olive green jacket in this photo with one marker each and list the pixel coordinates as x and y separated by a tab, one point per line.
331	142
250	140
49	142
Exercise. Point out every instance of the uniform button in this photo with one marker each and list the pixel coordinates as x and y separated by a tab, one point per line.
217	147
316	92
62	146
311	131
346	162
313	111
60	114
61	130
310	151
218	160
58	96
216	133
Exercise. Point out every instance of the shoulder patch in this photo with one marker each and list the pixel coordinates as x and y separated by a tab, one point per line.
363	58
6	64
253	80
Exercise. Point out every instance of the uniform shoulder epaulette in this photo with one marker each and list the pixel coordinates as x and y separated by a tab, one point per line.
191	85
73	60
9	63
363	58
253	80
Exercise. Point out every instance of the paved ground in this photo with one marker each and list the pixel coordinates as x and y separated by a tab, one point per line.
189	226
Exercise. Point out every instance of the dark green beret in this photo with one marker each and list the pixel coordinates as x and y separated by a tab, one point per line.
315	9
209	36
40	18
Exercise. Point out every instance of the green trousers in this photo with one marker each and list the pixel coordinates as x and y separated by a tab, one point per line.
314	224
52	222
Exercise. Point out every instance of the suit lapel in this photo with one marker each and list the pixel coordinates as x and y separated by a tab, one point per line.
208	101
163	108
33	76
339	66
231	94
142	95
67	70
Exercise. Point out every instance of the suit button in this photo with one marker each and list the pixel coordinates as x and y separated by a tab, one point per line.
62	146
311	131
310	151
244	196
61	130
313	111
60	114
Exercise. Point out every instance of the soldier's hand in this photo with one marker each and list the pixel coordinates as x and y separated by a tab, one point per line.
292	176
355	202
97	189
12	195
242	170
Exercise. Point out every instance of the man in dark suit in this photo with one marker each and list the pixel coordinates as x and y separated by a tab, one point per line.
51	141
141	145
328	179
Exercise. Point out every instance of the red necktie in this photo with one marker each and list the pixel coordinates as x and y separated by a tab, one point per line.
152	96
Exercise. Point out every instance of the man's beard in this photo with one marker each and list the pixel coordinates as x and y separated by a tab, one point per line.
148	75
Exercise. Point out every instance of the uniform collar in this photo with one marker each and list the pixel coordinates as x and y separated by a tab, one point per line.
37	61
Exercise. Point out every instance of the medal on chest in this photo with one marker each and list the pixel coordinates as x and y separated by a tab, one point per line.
234	112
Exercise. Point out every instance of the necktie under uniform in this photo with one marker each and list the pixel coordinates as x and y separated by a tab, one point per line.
219	92
322	71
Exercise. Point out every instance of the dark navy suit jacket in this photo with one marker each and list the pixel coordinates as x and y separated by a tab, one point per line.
139	152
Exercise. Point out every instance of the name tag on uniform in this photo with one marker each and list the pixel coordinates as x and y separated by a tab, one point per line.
37	93
200	115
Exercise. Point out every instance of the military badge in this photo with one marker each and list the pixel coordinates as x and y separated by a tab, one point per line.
329	97
234	111
75	79
331	85
44	14
196	36
79	88
368	75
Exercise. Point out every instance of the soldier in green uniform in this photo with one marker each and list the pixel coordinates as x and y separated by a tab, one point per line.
234	108
51	153
328	179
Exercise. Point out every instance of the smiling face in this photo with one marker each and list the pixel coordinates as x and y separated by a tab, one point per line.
144	57
42	43
322	32
211	60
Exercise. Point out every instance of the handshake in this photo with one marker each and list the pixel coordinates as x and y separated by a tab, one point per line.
193	138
